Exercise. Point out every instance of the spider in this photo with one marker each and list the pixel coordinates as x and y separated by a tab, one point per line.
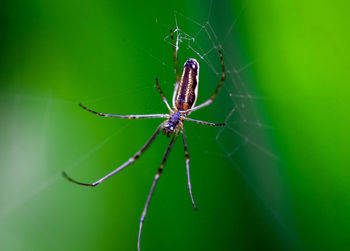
184	99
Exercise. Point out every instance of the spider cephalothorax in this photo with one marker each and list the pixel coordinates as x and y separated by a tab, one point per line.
173	124
184	99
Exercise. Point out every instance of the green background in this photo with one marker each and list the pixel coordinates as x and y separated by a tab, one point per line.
277	177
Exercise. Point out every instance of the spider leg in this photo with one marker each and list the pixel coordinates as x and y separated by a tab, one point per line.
128	162
175	57
209	101
162	95
125	116
187	156
156	177
176	66
204	123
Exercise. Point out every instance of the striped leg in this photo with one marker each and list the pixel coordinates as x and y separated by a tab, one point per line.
209	101
125	116
162	95
175	57
204	123
159	172
187	156
176	66
130	161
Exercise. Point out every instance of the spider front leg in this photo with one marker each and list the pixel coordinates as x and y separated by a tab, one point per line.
149	197
175	57
128	162
176	66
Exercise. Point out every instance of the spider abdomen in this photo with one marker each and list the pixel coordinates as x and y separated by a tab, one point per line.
187	91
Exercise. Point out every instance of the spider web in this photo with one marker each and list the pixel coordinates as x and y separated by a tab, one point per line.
246	142
244	110
243	116
247	132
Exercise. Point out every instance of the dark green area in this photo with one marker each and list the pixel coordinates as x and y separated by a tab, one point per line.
276	178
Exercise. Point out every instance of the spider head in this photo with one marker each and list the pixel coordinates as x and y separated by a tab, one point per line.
171	125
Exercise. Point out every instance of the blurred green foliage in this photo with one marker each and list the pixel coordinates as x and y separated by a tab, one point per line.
279	185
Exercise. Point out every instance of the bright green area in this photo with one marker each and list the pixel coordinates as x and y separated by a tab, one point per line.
303	52
280	186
